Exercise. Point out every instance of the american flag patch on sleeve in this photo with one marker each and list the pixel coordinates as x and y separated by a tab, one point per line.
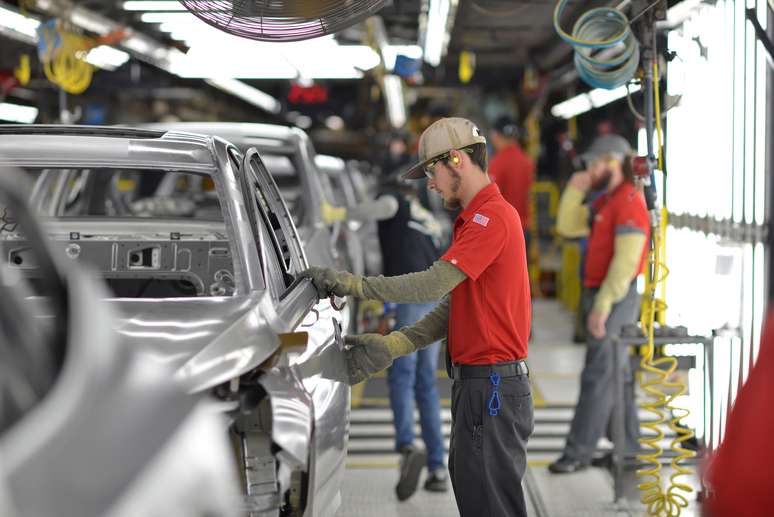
481	219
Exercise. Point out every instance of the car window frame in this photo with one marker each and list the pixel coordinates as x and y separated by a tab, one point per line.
256	176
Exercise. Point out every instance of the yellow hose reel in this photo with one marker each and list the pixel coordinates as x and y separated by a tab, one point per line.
63	54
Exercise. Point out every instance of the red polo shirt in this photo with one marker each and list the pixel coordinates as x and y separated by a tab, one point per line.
490	311
514	173
614	213
737	471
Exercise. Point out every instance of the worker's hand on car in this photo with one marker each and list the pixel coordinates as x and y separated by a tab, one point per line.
596	323
581	181
367	354
329	281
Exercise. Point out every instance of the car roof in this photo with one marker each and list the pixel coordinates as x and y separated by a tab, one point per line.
244	135
330	164
58	146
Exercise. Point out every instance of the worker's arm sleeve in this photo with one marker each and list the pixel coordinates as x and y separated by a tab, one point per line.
423	287
428	330
572	219
623	268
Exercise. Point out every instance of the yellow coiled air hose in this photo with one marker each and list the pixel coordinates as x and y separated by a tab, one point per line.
63	54
661	392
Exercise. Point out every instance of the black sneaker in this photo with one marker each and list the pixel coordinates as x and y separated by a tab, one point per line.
565	465
411	463
605	461
436	481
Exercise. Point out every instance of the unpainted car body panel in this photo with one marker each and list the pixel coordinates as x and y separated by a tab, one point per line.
111	422
208	340
211	340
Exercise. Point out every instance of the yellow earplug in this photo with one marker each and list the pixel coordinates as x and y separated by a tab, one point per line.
455	160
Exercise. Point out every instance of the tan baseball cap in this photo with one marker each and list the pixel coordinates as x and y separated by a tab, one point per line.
441	137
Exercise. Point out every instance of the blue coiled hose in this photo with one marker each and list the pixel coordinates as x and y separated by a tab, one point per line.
596	29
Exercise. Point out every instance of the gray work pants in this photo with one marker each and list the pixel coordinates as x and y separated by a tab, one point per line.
488	454
595	404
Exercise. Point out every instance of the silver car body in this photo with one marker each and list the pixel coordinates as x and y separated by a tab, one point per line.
218	344
89	428
350	190
287	150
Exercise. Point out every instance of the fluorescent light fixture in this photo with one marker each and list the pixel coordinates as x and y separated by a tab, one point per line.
19	23
153	5
213	53
247	93
435	33
601	96
91	21
572	107
586	101
169	17
107	57
223	59
393	97
142	45
361	57
18	113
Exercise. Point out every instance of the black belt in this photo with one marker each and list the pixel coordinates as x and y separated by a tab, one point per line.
482	371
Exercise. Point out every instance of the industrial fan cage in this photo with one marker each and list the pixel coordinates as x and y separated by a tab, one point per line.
282	20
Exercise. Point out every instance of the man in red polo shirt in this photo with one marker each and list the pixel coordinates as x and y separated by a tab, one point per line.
616	252
511	168
484	312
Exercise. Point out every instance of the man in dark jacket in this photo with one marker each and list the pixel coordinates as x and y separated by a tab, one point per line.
409	243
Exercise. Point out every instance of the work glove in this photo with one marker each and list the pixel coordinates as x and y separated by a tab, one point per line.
329	281
367	354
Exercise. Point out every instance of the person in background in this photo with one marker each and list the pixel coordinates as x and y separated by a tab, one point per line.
398	153
511	169
410	243
618	227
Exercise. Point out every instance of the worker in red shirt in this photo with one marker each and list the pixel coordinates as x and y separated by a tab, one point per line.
511	168
617	226
484	318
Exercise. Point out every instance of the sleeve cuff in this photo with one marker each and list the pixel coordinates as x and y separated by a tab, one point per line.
400	345
602	304
456	263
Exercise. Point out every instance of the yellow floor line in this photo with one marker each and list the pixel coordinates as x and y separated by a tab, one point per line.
537	395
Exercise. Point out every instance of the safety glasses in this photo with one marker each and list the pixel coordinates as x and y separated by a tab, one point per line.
430	166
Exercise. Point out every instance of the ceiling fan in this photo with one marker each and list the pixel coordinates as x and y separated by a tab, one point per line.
282	20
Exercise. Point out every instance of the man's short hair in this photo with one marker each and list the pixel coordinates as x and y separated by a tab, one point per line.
479	156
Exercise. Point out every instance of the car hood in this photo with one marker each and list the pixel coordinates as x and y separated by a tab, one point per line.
206	341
